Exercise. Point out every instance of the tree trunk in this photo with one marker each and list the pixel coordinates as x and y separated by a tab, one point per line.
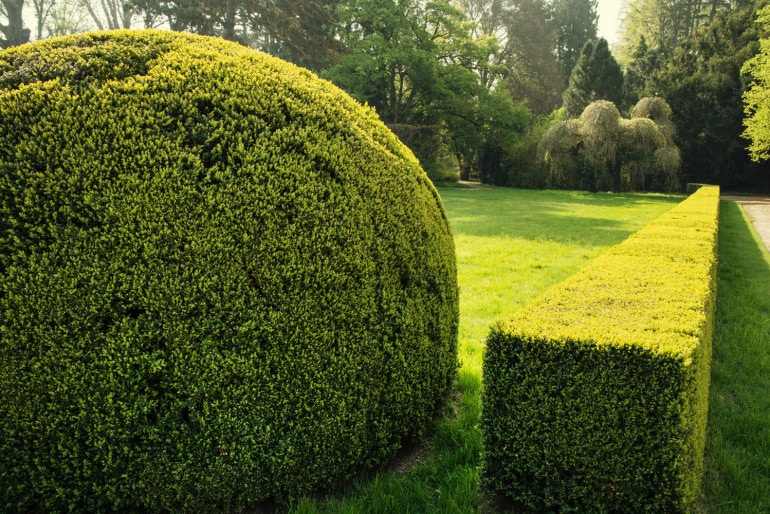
15	33
228	21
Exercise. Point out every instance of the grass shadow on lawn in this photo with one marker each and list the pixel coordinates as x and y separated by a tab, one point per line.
737	478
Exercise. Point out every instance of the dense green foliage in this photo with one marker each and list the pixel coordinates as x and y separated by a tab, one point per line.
420	67
703	84
392	64
644	61
757	97
221	279
595	395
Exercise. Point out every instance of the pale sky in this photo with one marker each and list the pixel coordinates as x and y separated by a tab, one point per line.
609	19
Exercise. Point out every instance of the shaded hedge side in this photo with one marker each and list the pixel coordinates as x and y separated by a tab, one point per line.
221	279
595	396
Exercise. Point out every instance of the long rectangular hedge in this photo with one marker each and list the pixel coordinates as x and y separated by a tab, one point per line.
595	395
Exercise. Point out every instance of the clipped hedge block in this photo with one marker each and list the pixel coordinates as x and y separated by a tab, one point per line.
595	395
221	279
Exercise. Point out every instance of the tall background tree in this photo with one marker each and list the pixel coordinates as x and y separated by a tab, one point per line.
596	76
405	59
575	22
525	50
535	75
644	62
702	82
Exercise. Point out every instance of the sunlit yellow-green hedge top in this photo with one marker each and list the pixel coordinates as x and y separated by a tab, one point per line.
646	292
595	395
222	280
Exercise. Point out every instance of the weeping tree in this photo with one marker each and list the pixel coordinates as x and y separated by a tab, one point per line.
599	131
652	160
602	150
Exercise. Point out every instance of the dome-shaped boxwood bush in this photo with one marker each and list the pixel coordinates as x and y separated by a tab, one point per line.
221	279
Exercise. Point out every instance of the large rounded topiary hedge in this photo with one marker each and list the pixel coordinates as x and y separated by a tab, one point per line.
221	279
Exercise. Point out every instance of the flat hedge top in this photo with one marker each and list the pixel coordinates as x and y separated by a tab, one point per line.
648	291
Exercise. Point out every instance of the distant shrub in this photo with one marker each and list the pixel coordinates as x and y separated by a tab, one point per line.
221	279
595	396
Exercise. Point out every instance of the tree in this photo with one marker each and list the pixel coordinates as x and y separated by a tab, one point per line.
502	123
417	65
66	17
596	76
43	10
525	50
108	14
490	20
13	32
702	82
298	31
603	150
667	23
645	61
575	22
757	97
535	75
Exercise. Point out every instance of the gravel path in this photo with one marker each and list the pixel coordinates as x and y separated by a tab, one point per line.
758	210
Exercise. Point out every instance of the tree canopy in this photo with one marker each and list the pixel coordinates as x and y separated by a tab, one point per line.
576	22
702	82
757	97
665	24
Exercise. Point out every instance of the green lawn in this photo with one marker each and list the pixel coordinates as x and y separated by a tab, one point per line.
511	246
737	478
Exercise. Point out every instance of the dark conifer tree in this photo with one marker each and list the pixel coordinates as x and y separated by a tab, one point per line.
578	93
596	76
645	61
